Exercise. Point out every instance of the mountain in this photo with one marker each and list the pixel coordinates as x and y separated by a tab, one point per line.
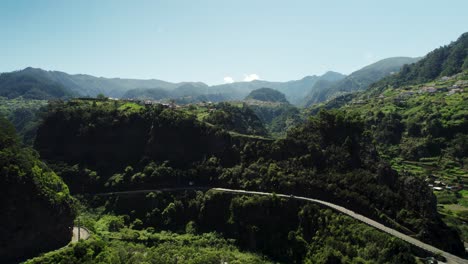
356	81
239	90
444	61
40	84
196	91
36	83
190	89
146	94
267	95
294	90
30	85
419	119
87	85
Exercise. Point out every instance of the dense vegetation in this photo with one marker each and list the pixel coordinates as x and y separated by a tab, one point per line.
94	133
431	139
29	86
419	119
133	246
36	204
329	157
146	94
375	155
239	119
278	118
267	95
308	234
24	114
356	81
444	61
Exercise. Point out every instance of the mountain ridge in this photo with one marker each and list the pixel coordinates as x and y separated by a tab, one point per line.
304	92
357	80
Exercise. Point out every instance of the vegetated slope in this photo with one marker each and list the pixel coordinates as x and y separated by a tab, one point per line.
277	118
358	80
423	119
267	95
24	114
295	91
87	85
183	94
37	210
422	128
30	85
144	246
40	84
210	98
285	230
146	94
423	122
106	136
239	119
444	61
330	157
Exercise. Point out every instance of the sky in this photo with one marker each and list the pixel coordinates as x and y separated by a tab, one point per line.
216	41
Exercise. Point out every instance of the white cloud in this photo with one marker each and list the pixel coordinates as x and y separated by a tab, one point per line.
228	79
251	77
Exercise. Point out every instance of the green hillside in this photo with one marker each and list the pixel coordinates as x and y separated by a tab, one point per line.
24	114
238	119
31	86
146	94
419	120
423	130
356	81
330	157
267	95
442	62
36	204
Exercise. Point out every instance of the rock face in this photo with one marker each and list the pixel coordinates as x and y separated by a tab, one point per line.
36	209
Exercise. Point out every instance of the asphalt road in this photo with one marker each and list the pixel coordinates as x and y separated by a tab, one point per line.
450	257
84	234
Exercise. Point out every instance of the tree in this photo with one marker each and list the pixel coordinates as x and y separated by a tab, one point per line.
101	96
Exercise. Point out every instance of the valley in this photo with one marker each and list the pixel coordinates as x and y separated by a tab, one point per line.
366	167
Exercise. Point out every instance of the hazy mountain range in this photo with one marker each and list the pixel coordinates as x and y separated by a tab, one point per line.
40	84
356	81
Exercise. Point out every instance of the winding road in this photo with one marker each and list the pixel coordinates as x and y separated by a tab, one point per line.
84	234
449	257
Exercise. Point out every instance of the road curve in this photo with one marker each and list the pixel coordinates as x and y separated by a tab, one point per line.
84	234
450	257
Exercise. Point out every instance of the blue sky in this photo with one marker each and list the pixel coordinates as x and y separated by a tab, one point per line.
211	40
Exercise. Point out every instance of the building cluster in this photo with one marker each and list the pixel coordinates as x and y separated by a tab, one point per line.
428	89
171	105
438	185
